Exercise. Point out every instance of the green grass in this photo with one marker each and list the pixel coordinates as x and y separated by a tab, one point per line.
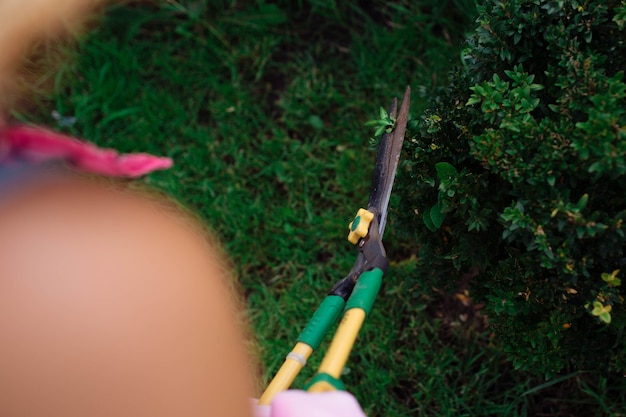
262	108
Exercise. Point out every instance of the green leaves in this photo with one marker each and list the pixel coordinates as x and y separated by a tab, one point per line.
445	171
384	124
533	187
602	312
434	217
607	297
611	279
606	153
620	16
582	202
430	225
504	102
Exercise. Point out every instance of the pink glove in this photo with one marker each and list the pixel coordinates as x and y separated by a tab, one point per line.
295	403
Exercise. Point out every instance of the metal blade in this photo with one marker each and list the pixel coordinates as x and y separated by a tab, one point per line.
387	162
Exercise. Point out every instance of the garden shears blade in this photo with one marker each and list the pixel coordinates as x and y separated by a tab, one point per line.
387	160
353	295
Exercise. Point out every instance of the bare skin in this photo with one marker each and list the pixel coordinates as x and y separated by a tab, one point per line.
110	306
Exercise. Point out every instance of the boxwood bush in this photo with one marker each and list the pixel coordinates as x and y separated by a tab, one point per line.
519	169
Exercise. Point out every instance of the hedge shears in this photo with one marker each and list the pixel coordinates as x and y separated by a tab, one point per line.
354	295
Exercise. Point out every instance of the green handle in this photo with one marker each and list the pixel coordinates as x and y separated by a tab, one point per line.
366	290
331	380
324	317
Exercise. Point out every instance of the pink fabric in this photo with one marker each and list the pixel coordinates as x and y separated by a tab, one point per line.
259	410
34	145
295	403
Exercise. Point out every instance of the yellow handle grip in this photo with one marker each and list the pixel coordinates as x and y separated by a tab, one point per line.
294	362
339	349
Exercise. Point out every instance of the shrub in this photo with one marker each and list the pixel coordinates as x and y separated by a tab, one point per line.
518	168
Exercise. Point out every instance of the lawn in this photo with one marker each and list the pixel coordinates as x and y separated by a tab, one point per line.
262	107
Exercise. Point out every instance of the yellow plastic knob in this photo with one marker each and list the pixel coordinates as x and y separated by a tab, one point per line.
360	226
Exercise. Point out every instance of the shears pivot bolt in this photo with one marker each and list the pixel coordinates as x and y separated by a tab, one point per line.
360	226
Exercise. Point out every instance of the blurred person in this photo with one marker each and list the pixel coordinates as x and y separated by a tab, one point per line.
114	299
